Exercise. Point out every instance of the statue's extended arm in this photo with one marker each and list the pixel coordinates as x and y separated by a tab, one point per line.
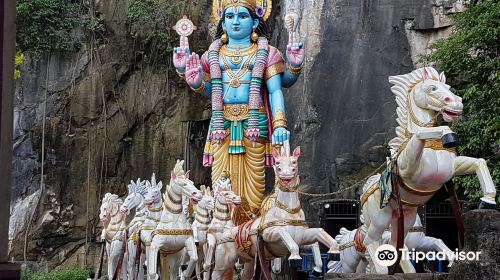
280	124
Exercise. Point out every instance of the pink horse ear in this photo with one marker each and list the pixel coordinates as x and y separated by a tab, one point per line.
427	74
296	152
276	153
442	78
173	176
187	174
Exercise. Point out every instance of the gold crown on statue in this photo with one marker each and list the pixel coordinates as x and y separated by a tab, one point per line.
262	8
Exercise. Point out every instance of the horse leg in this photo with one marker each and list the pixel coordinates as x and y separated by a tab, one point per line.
225	257
276	265
410	215
192	251
361	268
380	219
247	272
152	259
290	244
113	258
142	259
428	244
173	263
130	260
209	255
469	165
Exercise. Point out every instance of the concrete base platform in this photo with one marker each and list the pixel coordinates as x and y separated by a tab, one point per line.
10	271
397	276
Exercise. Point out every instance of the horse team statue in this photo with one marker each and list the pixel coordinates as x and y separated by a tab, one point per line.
352	249
423	159
282	228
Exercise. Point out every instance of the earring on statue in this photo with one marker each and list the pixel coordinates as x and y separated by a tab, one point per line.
255	36
223	38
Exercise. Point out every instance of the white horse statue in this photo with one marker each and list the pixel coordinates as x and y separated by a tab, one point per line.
114	233
135	199
352	249
225	198
173	232
153	202
203	216
423	157
282	228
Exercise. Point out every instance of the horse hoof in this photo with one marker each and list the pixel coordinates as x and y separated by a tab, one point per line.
333	256
295	263
316	273
450	140
486	205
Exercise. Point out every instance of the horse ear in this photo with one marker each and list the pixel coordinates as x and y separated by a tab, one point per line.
276	153
160	185
427	74
173	176
148	184
442	78
202	188
187	174
296	152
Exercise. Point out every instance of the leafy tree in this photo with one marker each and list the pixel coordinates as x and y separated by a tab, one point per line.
470	57
47	25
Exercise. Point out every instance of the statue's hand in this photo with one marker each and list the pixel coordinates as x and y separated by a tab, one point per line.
253	133
194	73
181	53
294	51
280	135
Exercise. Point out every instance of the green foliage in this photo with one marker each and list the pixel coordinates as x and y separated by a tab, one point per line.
151	24
70	274
47	26
470	57
19	60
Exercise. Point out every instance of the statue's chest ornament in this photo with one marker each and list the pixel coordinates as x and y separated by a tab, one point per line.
236	57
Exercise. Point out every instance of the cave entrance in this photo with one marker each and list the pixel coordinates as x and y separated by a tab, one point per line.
195	143
339	213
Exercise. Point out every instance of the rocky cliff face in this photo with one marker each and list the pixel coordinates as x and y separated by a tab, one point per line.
111	116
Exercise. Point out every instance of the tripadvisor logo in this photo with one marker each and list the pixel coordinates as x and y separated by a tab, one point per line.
386	255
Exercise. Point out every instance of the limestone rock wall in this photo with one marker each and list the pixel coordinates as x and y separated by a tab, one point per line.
111	117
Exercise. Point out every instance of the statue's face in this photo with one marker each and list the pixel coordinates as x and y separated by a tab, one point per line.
238	22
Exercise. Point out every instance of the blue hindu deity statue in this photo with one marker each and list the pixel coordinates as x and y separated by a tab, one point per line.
244	76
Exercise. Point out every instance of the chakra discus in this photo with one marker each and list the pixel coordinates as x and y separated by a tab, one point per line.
184	27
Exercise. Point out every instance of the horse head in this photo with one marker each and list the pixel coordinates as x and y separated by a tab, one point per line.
110	207
136	192
153	192
181	185
286	166
208	200
432	93
223	191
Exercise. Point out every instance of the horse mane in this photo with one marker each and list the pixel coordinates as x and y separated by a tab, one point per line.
112	198
179	169
137	187
402	85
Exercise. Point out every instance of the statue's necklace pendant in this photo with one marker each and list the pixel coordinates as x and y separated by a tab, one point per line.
236	59
234	83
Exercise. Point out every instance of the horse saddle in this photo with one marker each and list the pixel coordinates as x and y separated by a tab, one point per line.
243	237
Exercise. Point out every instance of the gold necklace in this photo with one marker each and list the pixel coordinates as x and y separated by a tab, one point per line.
236	55
236	78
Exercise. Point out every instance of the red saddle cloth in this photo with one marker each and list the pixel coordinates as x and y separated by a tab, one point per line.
359	237
243	237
